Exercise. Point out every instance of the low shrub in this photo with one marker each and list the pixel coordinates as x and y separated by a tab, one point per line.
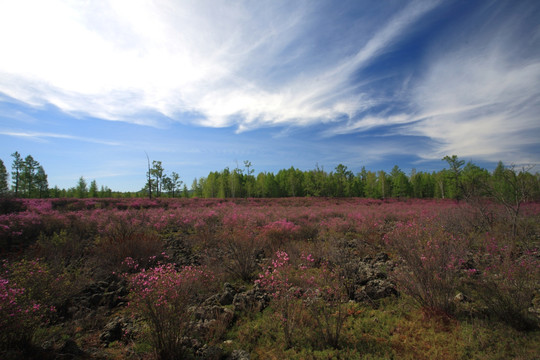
26	294
125	235
278	233
505	281
10	205
432	263
306	297
163	296
239	249
19	316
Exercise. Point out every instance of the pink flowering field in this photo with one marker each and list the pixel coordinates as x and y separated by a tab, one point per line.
299	278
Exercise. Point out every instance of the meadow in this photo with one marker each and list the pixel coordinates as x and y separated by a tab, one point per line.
285	278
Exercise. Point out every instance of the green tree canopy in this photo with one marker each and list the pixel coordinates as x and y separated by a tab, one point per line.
81	190
4	188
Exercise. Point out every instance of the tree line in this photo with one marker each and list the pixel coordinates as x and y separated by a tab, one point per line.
160	184
29	180
459	180
82	190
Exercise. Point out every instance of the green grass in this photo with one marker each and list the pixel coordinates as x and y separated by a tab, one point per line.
394	330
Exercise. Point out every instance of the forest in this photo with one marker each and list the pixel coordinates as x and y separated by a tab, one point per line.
459	180
315	265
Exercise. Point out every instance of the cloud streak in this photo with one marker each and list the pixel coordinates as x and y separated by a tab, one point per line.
477	98
481	98
472	89
42	136
323	95
114	60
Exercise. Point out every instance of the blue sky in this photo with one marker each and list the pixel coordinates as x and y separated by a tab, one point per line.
87	87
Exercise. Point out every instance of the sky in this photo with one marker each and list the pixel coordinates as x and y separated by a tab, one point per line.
90	88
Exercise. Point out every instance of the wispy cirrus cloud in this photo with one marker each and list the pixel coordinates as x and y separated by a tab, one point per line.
43	136
460	77
475	93
243	64
324	94
368	122
481	98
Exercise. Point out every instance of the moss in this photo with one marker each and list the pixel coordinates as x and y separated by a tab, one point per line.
393	330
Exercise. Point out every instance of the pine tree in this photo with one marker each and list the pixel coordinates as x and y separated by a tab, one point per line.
17	167
41	183
455	175
400	183
28	185
82	188
93	191
157	172
176	183
185	192
4	189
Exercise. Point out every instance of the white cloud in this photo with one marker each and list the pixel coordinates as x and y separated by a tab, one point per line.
481	100
267	63
368	122
231	63
41	136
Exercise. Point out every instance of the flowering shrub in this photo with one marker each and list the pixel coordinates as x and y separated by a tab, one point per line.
10	205
19	316
126	234
326	298
286	298
505	280
438	246
25	291
17	229
306	297
278	233
163	295
433	262
240	245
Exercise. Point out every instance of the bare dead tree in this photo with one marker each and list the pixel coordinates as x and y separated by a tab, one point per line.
149	177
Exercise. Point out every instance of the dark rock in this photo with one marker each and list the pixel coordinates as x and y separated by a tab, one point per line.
212	300
367	272
112	332
375	289
239	355
460	297
71	349
48	345
71	311
95	299
381	257
224	298
367	279
212	312
122	291
254	299
110	299
209	352
179	251
228	294
110	293
116	330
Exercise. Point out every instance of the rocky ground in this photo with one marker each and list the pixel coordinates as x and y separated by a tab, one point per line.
107	300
